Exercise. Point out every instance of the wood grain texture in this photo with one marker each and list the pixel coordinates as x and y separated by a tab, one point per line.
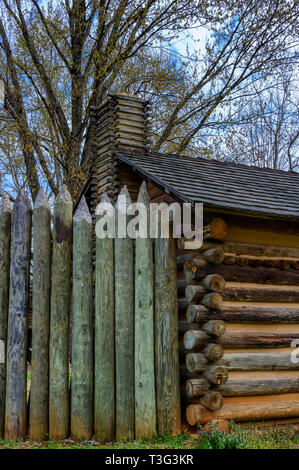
166	337
145	398
236	273
258	361
16	384
197	414
260	293
245	313
5	240
82	326
59	322
124	327
41	289
257	339
259	386
104	404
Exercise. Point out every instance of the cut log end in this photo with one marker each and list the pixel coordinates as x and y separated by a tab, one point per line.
214	255
195	338
214	282
218	228
196	387
214	327
212	401
213	300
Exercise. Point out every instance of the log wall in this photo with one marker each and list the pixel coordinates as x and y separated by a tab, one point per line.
260	309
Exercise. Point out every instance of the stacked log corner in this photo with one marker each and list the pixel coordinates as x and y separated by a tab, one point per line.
200	352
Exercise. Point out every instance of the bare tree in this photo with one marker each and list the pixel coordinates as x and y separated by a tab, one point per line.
59	61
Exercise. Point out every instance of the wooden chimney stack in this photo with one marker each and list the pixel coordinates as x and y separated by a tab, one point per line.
120	124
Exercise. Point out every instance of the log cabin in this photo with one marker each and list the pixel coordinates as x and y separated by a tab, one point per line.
238	295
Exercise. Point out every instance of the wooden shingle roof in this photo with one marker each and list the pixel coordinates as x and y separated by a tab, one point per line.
218	184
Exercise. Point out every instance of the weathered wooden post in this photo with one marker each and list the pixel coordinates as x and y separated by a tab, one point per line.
104	399
39	390
16	370
59	323
145	399
82	328
166	336
124	324
5	239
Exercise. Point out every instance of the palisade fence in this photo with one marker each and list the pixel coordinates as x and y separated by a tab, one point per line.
121	379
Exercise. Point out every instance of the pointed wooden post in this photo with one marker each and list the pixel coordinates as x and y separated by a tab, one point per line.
124	324
82	328
16	385
145	400
39	390
104	399
5	239
59	323
166	337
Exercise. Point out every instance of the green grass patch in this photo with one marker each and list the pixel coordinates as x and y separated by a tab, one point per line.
248	436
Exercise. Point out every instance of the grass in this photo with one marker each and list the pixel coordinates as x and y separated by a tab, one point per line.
248	436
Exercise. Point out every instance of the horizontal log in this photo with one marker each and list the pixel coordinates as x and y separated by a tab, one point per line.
257	340
185	326
195	338
213	282
206	245
194	292
217	403
194	267
259	386
236	273
182	259
214	255
255	293
214	327
197	414
216	375
183	284
190	244
198	314
213	352
229	258
197	387
246	314
261	250
258	361
196	362
212	401
212	300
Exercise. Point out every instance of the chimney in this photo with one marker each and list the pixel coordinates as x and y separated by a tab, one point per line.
120	124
